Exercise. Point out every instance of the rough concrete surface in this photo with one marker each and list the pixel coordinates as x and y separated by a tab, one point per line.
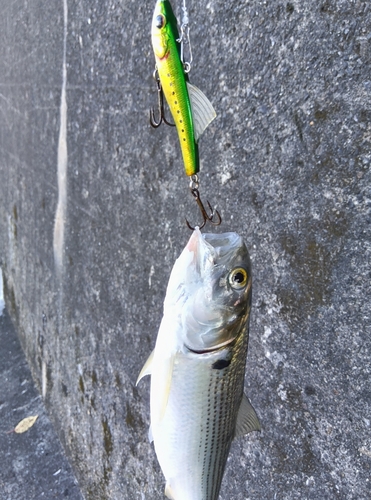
93	201
33	465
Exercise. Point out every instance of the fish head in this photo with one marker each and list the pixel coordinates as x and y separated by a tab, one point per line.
211	285
164	28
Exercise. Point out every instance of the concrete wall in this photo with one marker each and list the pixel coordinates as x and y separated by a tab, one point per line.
93	201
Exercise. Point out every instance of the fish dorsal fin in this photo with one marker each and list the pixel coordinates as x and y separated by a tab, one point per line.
247	420
203	112
147	367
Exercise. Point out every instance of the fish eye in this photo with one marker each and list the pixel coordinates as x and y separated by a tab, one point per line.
160	21
238	278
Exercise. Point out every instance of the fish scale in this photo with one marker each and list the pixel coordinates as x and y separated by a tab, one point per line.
229	392
214	396
216	404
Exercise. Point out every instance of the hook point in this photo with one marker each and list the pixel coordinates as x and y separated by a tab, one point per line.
206	217
161	110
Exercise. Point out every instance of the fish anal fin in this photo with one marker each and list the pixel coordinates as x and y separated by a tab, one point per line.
203	112
247	420
168	492
147	368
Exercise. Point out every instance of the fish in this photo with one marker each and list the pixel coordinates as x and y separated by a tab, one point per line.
191	110
197	368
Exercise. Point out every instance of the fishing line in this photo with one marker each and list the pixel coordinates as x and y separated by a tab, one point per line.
185	46
185	40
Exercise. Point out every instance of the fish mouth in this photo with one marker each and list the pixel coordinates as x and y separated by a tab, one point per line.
209	247
200	248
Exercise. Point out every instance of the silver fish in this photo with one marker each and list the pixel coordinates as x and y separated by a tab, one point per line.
197	367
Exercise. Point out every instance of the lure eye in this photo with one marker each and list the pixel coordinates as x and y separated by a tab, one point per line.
160	21
238	278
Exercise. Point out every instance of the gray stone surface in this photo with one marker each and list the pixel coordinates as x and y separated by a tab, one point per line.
288	163
33	465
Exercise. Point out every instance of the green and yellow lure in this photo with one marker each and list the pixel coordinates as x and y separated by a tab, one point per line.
191	110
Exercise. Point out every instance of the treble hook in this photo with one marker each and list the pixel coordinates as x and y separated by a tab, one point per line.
160	95
205	215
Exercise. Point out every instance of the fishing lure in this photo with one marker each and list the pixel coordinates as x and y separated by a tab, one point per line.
191	110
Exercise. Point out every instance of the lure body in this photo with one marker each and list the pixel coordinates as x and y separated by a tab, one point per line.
198	364
190	109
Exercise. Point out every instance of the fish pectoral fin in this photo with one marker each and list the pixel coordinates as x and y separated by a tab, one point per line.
247	420
147	368
167	375
203	112
168	492
160	390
